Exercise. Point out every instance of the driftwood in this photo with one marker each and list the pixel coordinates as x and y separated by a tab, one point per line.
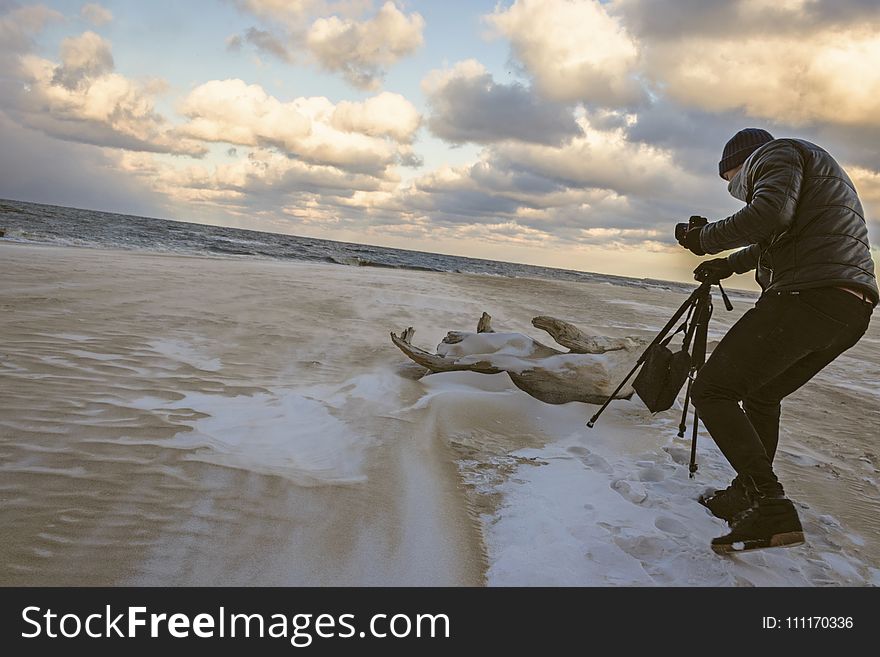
578	342
588	372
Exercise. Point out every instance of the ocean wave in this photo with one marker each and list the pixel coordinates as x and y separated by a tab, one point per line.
355	261
14	235
215	248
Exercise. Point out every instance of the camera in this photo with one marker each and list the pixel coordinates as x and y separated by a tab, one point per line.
694	222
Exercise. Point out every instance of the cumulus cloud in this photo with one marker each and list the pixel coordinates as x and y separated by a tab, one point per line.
797	67
263	41
800	62
297	13
83	57
20	24
469	106
676	19
262	171
599	186
366	137
604	159
575	51
291	12
797	62
82	99
336	35
267	42
362	51
238	113
829	78
260	187
385	115
96	14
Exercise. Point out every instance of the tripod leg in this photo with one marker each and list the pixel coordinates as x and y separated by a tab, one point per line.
692	300
682	426
692	466
704	313
611	396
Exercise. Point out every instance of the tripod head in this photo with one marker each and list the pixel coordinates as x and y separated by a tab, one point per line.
708	281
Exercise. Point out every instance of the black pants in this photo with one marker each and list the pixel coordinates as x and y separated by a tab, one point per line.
774	349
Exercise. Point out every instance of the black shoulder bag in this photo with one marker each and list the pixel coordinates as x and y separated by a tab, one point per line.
663	372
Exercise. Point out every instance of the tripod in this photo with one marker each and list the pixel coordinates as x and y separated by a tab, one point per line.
698	307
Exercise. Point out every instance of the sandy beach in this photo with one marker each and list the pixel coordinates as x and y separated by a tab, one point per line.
174	420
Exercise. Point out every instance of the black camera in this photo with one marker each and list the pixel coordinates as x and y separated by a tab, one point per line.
694	222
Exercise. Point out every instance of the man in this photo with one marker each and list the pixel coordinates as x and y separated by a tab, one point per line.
804	233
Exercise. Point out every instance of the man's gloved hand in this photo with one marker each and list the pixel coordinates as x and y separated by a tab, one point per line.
688	235
715	269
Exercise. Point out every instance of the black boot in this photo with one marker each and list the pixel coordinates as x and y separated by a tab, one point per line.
772	522
728	503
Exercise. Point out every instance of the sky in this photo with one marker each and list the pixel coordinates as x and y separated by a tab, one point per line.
565	133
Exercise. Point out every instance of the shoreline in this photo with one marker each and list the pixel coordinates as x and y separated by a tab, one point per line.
630	281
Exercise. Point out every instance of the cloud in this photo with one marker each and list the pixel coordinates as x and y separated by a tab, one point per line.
469	106
96	14
867	182
336	35
681	19
263	184
234	42
799	63
604	159
83	57
272	172
385	115
81	99
487	200
295	14
291	12
485	203
38	168
238	113
330	165
366	137
362	51
263	40
268	43
829	78
598	187
20	24
575	51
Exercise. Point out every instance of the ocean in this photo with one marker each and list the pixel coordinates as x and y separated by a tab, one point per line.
63	226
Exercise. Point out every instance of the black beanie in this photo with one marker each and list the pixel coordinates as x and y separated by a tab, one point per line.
741	145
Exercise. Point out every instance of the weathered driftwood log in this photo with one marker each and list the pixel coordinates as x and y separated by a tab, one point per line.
586	373
485	323
569	335
436	362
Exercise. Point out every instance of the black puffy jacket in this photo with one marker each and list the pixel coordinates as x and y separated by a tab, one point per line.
803	225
